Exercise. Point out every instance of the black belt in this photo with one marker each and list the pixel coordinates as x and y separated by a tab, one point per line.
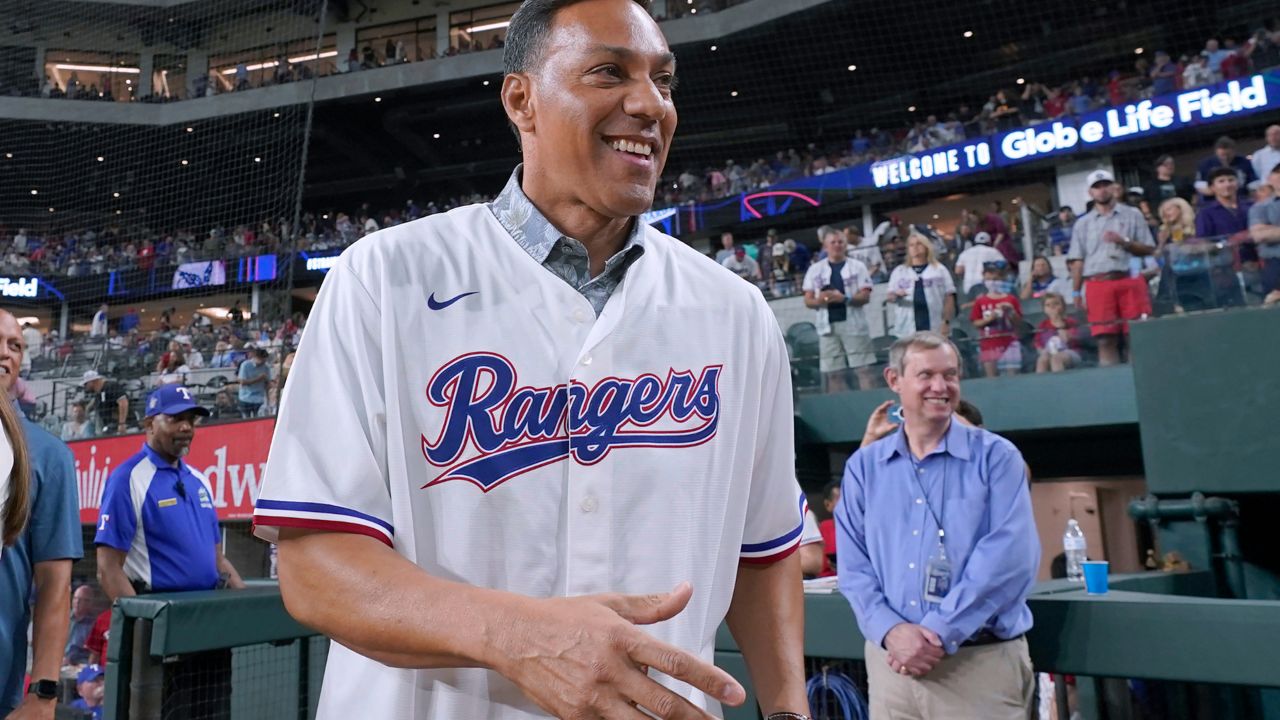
1115	275
986	637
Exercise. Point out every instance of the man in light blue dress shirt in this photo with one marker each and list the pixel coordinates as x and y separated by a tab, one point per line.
937	551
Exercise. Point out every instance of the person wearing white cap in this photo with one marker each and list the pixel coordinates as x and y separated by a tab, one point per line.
1102	242
969	264
110	401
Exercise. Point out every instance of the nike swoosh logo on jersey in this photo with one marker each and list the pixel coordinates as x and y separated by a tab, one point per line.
437	305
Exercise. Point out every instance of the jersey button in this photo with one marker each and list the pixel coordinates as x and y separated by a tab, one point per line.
580	315
589	504
586	360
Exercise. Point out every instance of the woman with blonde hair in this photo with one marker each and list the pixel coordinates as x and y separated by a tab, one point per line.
15	476
922	290
1177	221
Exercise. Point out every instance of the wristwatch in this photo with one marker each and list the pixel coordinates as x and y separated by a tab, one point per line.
43	689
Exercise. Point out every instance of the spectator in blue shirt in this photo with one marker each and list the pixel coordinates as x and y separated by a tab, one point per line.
90	686
950	607
254	376
39	562
1164	75
1224	155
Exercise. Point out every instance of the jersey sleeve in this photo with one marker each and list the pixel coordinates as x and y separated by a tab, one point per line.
948	282
862	277
810	283
810	534
117	521
775	507
327	467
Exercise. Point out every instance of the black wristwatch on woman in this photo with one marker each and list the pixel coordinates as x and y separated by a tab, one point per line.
43	689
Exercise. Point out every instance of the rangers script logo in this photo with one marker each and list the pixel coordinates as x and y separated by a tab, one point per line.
504	430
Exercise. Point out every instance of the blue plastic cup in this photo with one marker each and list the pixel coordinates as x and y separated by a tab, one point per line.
1095	576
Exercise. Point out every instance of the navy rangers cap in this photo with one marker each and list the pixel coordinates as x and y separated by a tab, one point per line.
173	400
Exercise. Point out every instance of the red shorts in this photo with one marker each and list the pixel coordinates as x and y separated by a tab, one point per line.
1110	303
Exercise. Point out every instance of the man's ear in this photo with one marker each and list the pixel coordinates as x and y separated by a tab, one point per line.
517	100
891	378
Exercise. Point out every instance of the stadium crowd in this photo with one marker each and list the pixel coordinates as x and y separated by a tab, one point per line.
1005	109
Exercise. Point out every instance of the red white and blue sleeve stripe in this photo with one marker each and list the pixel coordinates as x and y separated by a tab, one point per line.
771	551
319	516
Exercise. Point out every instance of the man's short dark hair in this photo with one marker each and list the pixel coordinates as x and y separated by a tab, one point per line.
1225	143
1163	159
527	33
1218	172
829	490
970	412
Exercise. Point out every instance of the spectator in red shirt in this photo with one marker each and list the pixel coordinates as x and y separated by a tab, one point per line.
1055	104
96	643
147	255
997	314
830	498
1058	337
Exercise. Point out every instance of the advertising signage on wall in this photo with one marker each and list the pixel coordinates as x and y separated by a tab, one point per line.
232	458
1137	121
1066	135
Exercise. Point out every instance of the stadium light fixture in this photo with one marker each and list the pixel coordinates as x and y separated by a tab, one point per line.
184	162
1137	51
101	159
436	136
191	129
115	194
693	11
257	159
35	192
97	68
487	26
292	61
50	209
968	33
852	68
714	48
377	99
9	155
911	108
733	93
276	115
486	83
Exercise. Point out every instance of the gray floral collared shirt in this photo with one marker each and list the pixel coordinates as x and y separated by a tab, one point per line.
563	256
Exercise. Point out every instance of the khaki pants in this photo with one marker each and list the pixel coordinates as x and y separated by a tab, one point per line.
987	682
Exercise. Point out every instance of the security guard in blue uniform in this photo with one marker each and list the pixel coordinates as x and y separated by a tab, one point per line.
158	532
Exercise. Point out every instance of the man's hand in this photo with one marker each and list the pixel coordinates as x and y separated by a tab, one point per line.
34	708
913	649
1112	236
584	657
879	425
833	296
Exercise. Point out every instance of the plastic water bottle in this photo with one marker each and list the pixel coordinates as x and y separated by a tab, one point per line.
1073	544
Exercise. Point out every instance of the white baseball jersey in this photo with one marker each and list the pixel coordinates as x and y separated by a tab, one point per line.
455	400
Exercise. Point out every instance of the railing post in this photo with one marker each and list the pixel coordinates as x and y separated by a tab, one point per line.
304	677
146	681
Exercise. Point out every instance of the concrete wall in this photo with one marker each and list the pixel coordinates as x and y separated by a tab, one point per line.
1100	508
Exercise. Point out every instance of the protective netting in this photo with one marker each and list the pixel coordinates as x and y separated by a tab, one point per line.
127	187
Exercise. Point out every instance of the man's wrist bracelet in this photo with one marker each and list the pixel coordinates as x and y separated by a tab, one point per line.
787	716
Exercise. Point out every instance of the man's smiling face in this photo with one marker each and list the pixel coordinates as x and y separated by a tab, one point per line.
601	118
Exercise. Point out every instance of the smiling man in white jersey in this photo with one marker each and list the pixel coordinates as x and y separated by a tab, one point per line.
513	464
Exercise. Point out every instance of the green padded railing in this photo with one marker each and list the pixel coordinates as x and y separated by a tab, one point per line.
1159	626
